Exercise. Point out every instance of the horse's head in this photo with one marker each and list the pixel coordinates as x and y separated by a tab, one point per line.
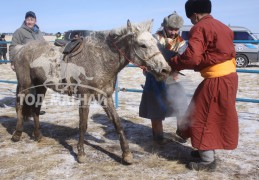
143	48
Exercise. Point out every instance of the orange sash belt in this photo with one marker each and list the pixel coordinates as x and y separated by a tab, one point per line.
218	70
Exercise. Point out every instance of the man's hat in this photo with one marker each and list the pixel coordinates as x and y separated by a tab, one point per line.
30	14
197	6
173	21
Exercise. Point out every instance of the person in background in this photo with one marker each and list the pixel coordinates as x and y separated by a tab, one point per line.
154	102
76	36
29	31
60	41
59	36
3	48
211	120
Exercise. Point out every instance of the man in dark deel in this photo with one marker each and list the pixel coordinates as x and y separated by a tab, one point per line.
212	121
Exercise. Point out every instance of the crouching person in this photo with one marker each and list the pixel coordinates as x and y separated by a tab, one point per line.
212	121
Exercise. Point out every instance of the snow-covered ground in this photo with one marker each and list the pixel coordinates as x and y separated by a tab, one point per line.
55	156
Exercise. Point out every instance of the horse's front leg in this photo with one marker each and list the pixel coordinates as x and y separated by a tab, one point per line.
83	117
21	93
19	124
112	114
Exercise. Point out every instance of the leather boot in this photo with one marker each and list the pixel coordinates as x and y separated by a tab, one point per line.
207	162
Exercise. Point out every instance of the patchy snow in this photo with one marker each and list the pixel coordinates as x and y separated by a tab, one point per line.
55	156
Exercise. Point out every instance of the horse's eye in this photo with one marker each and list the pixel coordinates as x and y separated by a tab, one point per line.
143	46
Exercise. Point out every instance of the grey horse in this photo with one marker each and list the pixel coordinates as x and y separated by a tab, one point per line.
103	55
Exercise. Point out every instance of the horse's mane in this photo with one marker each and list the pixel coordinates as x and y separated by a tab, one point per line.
121	31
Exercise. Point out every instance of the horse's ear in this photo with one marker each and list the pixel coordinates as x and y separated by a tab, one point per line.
129	26
150	25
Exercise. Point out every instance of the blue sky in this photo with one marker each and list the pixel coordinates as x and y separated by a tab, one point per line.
63	15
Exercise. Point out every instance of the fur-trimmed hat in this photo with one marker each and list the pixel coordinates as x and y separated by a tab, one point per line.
197	6
173	21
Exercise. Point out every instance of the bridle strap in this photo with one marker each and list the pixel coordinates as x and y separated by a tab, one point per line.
148	58
128	59
144	59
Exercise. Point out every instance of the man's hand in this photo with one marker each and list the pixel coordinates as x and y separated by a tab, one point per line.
175	74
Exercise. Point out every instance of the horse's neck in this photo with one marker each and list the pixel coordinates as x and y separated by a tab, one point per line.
120	52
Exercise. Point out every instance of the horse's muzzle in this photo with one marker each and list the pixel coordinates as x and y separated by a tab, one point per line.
161	74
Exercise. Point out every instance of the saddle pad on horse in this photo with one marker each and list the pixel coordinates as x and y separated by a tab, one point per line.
73	46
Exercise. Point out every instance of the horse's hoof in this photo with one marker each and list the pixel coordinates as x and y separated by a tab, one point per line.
127	158
37	136
81	158
16	136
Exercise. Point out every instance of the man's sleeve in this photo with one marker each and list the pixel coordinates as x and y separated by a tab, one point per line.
193	54
17	39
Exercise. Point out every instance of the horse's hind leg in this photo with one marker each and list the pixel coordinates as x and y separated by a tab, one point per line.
21	92
83	115
40	94
112	114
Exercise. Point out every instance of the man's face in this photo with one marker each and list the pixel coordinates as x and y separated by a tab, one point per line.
172	32
30	22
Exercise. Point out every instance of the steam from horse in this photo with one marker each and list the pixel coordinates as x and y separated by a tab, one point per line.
93	69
